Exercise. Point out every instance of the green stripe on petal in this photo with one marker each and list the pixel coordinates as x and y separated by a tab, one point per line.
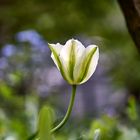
72	59
93	64
85	65
57	60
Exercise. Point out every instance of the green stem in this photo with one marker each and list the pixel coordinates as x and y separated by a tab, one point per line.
66	116
68	111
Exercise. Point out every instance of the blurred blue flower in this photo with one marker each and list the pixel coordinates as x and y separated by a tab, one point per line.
8	50
33	38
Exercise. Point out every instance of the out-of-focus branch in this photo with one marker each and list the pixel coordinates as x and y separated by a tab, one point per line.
131	11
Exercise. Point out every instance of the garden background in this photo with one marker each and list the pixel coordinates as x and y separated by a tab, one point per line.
30	80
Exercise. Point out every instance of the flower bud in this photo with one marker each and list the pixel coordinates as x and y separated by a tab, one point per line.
75	62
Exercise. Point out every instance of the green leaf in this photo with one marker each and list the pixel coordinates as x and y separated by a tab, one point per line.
45	123
132	109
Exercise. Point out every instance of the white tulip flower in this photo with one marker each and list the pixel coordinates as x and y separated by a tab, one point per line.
75	62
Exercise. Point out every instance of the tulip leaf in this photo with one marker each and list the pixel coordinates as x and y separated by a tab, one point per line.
45	123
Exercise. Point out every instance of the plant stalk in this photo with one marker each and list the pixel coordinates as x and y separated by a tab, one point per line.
66	117
68	111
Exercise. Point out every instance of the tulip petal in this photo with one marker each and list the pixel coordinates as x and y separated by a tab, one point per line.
56	49
70	55
93	63
88	64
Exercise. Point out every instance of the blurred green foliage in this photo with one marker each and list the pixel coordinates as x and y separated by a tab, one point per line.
60	20
108	128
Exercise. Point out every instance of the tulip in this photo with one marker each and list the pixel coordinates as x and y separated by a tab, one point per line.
75	62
